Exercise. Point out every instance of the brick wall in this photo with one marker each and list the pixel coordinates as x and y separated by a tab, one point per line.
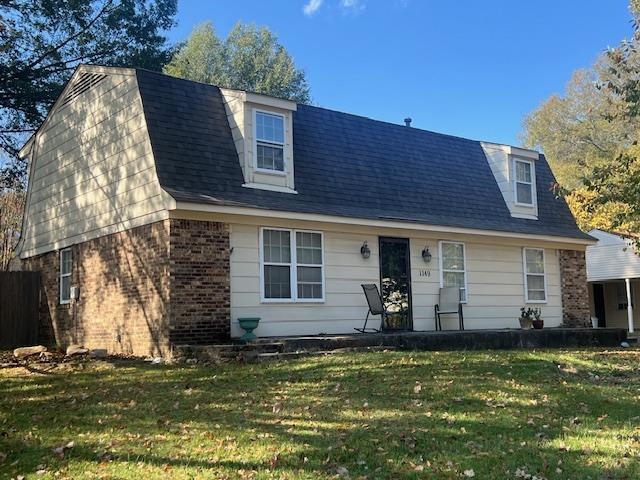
573	282
200	282
124	292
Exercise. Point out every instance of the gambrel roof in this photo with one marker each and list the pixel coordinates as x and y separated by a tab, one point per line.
345	165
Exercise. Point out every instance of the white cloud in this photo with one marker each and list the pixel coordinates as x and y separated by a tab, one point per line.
312	7
352	5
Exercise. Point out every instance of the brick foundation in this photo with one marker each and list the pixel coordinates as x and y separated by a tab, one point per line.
200	282
124	293
573	282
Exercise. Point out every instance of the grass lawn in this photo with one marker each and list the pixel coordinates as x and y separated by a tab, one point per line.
561	414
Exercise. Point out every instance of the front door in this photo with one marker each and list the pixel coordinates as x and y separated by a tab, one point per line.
395	282
598	304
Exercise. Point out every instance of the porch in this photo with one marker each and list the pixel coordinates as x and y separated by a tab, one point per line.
498	339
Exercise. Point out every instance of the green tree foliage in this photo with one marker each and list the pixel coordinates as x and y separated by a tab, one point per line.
249	59
42	42
618	180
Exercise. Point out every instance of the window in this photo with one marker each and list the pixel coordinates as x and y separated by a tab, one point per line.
292	265
269	141
452	267
66	264
621	294
535	285
523	182
309	265
277	263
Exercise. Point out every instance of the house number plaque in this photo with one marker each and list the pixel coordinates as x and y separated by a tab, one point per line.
425	273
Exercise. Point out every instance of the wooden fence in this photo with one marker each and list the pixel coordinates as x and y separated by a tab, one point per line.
19	304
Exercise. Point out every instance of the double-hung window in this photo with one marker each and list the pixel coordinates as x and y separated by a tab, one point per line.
523	182
269	141
66	266
535	285
452	267
292	265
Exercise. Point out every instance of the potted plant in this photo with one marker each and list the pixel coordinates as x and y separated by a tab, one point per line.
537	322
526	318
530	317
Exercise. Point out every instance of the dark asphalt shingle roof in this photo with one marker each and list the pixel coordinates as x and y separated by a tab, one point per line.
344	165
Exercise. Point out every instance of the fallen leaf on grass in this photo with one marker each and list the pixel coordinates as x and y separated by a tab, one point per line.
273	461
60	451
105	457
343	472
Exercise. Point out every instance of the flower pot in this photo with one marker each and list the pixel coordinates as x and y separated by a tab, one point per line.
249	324
525	323
538	324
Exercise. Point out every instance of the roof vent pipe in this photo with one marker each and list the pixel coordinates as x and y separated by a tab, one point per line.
407	121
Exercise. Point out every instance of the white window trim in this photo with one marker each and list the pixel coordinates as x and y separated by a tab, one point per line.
464	262
267	171
544	274
532	184
293	270
61	276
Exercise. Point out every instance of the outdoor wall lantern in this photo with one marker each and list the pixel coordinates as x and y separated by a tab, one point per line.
426	255
364	250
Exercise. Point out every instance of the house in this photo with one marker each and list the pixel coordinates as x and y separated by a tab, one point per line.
161	210
613	273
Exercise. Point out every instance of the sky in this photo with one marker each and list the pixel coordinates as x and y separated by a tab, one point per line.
468	68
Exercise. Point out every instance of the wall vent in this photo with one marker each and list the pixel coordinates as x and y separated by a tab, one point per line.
84	82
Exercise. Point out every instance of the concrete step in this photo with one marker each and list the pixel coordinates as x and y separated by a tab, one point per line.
213	353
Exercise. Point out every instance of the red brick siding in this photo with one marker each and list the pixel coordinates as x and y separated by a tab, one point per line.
573	282
124	292
200	282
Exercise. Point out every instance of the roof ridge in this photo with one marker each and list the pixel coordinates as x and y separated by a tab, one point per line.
395	125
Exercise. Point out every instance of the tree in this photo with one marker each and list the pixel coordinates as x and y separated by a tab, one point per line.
618	181
576	129
579	132
42	42
249	59
11	206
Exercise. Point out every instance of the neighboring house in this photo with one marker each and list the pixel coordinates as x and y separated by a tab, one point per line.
162	210
613	273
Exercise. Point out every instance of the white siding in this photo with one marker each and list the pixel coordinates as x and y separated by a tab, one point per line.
92	169
495	282
234	106
611	258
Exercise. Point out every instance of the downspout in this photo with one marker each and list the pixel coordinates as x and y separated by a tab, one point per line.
627	282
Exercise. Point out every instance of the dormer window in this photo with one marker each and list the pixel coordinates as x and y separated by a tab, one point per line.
269	141
523	182
262	130
515	172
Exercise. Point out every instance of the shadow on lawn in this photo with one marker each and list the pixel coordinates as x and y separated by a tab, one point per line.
316	417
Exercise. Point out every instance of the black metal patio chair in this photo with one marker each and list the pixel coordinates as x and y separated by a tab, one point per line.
376	307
